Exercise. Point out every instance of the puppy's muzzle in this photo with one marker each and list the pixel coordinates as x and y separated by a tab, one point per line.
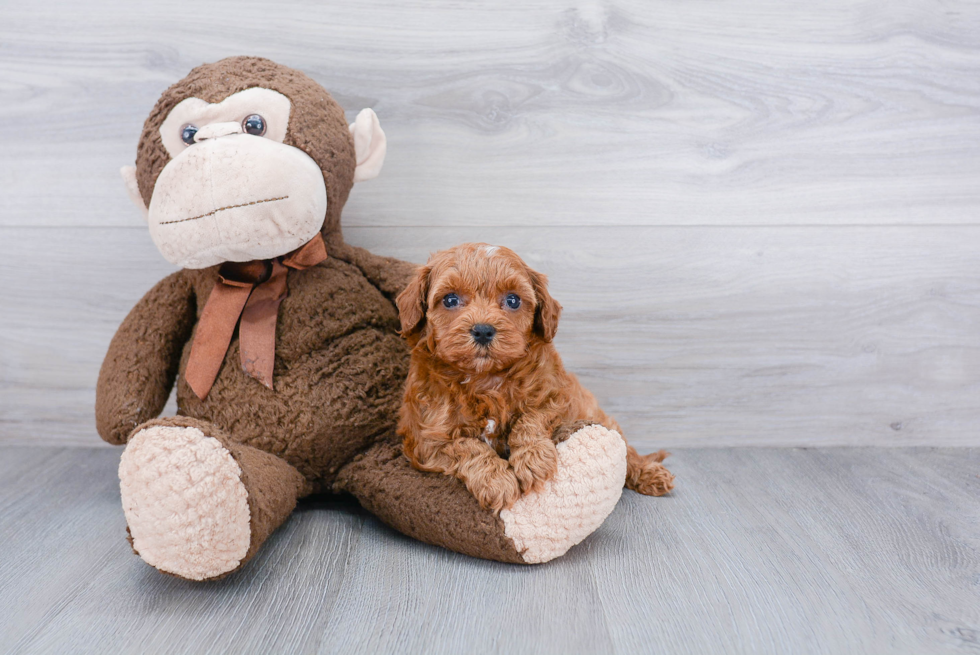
483	333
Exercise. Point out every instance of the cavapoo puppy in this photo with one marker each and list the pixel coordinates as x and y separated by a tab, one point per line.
486	388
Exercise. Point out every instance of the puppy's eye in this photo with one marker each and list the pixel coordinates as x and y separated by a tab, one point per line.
187	134
513	301
450	301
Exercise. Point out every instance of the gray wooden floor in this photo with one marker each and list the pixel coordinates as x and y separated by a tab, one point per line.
846	550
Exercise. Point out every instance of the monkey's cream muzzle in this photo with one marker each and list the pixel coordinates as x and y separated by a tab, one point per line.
235	197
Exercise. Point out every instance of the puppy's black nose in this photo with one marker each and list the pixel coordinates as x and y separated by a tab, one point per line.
483	333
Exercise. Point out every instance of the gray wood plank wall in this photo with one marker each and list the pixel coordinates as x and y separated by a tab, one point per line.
762	218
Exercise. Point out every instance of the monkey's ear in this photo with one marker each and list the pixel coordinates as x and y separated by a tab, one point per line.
370	145
129	177
412	304
547	311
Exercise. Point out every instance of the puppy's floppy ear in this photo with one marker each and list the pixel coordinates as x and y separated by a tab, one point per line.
412	303
547	311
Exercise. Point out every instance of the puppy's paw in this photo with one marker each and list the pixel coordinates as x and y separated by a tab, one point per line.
496	487
534	464
652	478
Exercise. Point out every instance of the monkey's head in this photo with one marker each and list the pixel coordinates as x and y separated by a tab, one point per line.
245	159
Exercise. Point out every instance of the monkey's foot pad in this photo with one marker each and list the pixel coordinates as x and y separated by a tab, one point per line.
185	503
589	482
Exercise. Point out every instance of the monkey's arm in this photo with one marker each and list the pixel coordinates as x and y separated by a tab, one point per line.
139	370
388	274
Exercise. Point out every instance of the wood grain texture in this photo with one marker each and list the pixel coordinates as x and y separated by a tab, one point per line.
548	112
757	551
762	219
850	336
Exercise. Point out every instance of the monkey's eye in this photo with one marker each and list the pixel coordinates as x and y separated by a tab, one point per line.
187	134
450	301
254	124
513	301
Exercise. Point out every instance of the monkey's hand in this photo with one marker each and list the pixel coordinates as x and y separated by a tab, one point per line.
141	366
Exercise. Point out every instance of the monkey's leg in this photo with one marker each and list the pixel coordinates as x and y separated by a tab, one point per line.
197	504
541	526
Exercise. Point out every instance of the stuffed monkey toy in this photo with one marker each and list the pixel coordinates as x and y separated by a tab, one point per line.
283	343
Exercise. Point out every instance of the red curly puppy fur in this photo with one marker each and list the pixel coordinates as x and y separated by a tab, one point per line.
486	388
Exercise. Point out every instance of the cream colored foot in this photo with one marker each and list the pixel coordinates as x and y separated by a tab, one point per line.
570	506
185	502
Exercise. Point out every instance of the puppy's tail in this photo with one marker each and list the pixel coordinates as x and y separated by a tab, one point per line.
646	475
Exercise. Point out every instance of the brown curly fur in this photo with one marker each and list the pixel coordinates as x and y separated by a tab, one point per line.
486	414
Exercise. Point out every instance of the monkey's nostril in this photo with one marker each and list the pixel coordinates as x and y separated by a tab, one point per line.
483	333
215	130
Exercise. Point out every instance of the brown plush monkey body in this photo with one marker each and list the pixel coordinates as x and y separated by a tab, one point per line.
336	376
248	161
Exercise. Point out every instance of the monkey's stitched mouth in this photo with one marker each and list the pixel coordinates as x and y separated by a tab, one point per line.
221	209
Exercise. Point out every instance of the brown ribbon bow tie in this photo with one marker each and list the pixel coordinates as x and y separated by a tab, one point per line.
253	291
